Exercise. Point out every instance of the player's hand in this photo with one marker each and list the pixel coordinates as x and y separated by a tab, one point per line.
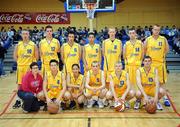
116	99
146	99
48	100
155	100
74	96
57	101
123	98
87	68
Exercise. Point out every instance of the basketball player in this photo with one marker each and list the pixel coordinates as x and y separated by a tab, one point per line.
95	86
75	84
120	85
148	83
48	48
91	52
157	47
25	53
111	50
54	85
71	53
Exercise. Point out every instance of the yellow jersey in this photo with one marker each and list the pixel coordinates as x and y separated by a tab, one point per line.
78	81
49	50
147	79
71	56
25	53
112	51
120	84
156	48
92	53
95	80
54	84
133	53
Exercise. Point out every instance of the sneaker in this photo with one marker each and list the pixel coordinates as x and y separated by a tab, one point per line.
111	104
45	107
127	105
24	111
159	106
105	102
137	104
72	105
90	103
63	106
100	103
17	104
81	105
167	103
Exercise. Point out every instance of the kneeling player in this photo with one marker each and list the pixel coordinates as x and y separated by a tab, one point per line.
54	85
120	85
148	83
95	86
75	84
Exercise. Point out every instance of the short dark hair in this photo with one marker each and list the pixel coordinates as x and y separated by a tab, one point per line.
48	26
147	57
53	61
75	65
33	64
91	33
71	32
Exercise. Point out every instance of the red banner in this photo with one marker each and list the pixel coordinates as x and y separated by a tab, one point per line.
34	18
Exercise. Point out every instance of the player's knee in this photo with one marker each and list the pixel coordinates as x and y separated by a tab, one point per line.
138	94
109	95
88	95
67	95
162	92
81	99
131	94
103	93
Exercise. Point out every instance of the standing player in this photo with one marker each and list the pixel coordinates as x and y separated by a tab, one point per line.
120	85
148	83
25	53
95	86
91	52
49	47
54	85
75	84
157	47
71	53
111	50
133	55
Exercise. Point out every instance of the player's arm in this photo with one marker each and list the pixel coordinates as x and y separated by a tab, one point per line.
58	47
112	87
103	49
100	55
145	46
15	54
157	86
69	82
138	80
45	89
87	81
80	52
120	51
142	54
40	50
167	46
102	81
124	52
81	88
128	88
62	53
84	56
59	98
36	53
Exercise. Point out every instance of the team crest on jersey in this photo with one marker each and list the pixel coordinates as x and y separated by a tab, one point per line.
150	79
96	50
29	51
137	49
121	83
160	43
115	46
58	81
52	48
35	83
75	49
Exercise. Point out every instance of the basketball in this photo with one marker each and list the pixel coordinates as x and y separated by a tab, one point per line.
119	106
150	108
41	96
52	108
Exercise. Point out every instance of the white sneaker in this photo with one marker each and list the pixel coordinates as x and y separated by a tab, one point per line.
105	102
127	105
159	106
137	104
100	103
90	103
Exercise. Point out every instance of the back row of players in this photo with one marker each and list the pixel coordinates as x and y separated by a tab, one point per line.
112	83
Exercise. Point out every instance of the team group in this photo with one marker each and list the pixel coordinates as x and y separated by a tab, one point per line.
70	89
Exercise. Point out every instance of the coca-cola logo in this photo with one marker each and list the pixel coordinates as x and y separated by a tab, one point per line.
53	18
16	18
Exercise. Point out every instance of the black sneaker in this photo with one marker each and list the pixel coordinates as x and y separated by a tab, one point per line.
63	106
45	107
17	104
72	105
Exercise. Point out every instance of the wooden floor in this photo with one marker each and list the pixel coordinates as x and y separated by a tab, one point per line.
88	117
